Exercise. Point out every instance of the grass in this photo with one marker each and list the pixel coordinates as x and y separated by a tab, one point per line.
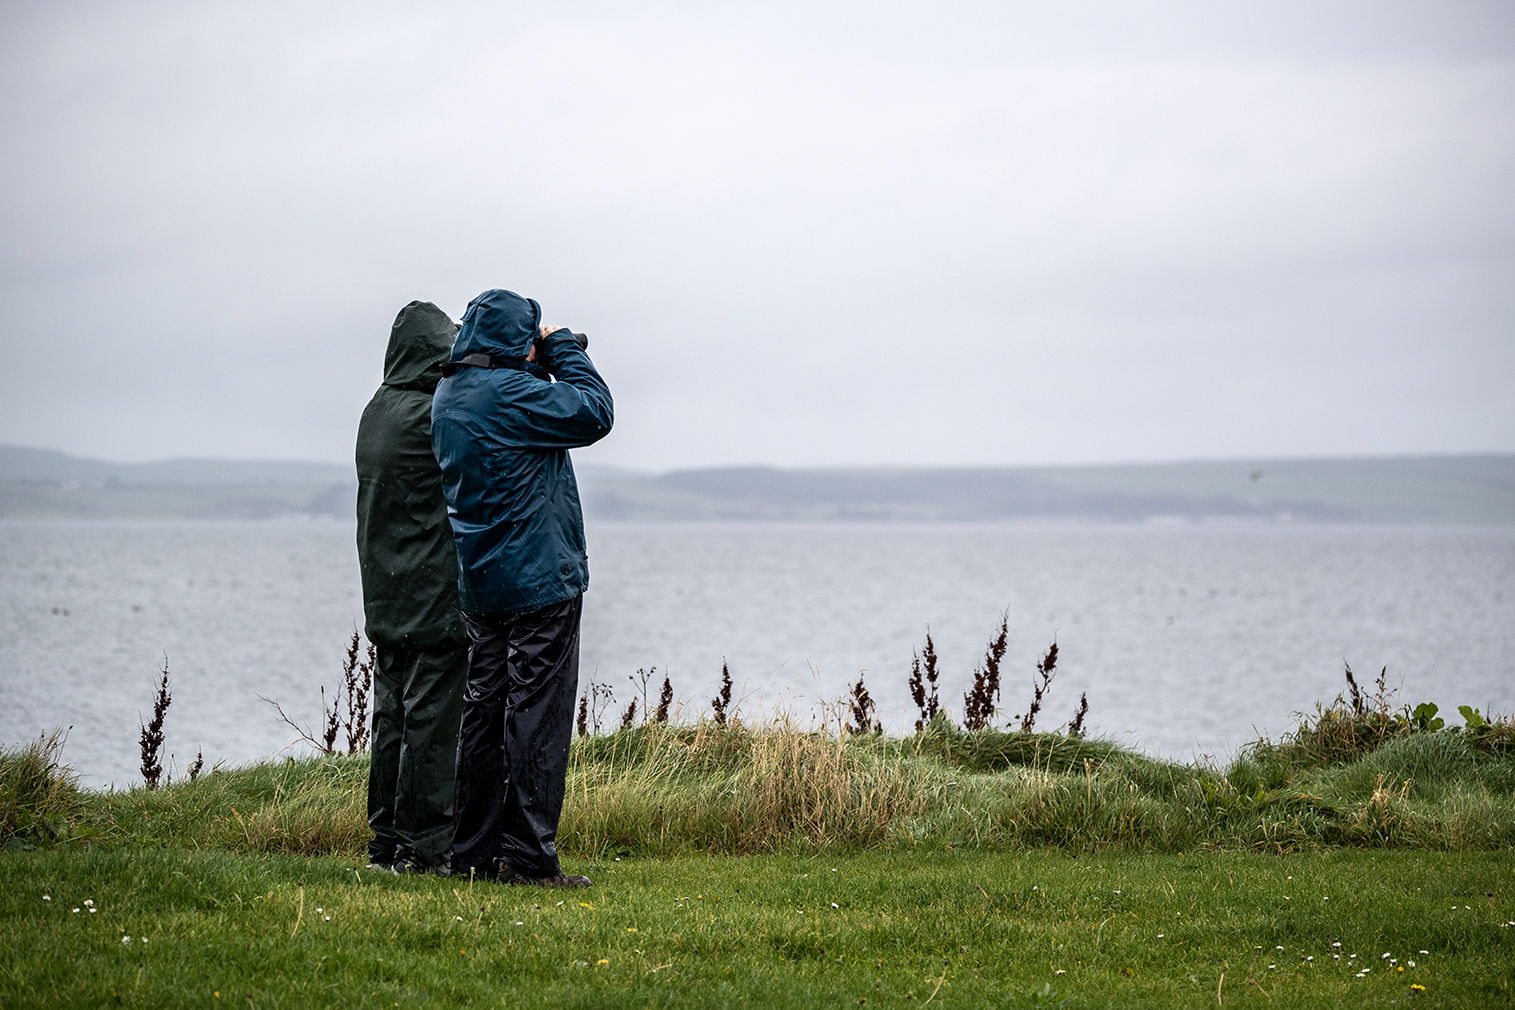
797	866
39	798
969	928
673	790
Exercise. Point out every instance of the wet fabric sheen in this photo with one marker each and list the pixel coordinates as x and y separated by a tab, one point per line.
517	724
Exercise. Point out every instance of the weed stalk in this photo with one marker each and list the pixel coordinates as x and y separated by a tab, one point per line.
152	734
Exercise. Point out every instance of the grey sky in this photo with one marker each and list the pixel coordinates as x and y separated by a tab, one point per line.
875	233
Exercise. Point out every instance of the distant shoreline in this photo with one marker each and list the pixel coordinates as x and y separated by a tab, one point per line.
1473	490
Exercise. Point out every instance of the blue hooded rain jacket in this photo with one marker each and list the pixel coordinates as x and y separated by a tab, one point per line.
502	437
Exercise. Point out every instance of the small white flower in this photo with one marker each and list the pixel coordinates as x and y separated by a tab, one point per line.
520	924
1425	952
76	910
1336	957
320	910
1410	963
1272	966
1159	936
1310	958
328	918
456	918
1061	972
47	897
835	905
92	911
143	939
559	904
126	939
1117	892
1280	947
89	901
1383	955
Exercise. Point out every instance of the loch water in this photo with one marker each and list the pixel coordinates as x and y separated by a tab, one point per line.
1189	640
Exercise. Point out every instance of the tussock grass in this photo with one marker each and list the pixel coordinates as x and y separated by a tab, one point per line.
732	789
315	806
669	789
39	795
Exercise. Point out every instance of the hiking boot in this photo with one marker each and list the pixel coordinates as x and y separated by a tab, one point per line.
507	874
562	880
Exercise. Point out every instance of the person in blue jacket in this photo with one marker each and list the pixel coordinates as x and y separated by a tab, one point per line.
515	398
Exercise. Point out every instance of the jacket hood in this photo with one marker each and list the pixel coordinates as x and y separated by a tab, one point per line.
418	345
498	322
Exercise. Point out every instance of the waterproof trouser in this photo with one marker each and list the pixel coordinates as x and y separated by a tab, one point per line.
523	678
418	703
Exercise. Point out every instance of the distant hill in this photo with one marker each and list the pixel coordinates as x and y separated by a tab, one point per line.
19	463
1405	489
1442	489
1427	489
39	483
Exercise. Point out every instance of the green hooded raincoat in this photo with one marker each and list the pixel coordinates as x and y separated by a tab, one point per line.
405	548
410	599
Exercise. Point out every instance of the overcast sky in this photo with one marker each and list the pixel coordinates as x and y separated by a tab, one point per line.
877	233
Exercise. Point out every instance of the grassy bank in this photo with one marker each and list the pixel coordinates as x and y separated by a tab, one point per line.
660	790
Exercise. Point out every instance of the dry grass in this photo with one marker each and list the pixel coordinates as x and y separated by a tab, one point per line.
713	789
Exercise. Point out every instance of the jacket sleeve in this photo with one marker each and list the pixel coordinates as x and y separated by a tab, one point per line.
575	411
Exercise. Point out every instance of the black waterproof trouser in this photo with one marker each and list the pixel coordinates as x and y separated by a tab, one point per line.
523	678
418	702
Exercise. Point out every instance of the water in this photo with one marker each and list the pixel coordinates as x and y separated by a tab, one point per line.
1188	640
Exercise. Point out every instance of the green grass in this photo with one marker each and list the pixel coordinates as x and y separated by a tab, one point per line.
796	867
1113	929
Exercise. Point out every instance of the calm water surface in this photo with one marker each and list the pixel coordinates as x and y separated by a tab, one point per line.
1187	639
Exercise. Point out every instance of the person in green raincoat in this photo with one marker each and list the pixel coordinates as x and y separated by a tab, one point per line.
410	602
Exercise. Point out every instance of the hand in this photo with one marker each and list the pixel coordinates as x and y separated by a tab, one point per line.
544	330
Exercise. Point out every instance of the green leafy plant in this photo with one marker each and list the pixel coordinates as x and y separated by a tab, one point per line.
1423	718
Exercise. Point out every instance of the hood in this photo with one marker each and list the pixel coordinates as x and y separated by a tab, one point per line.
498	322
418	345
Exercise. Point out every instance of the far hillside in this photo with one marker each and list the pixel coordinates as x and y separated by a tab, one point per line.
1431	489
44	483
38	483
